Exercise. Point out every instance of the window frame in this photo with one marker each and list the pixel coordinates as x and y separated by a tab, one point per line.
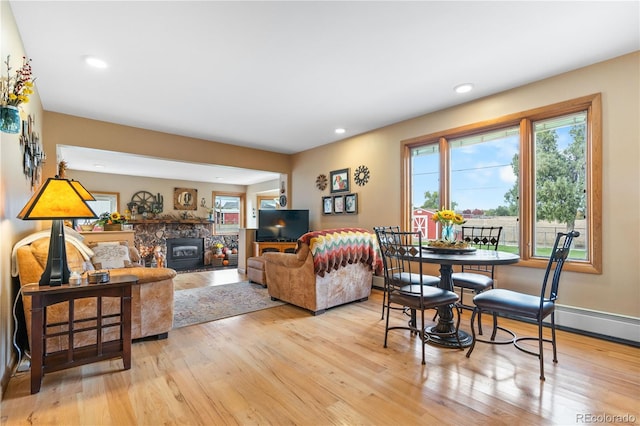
592	104
241	208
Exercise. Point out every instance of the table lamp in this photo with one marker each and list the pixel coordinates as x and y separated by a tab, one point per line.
56	200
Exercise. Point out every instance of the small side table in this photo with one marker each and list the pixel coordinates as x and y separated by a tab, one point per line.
43	296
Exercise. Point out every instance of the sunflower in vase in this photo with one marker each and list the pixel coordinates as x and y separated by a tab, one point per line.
448	234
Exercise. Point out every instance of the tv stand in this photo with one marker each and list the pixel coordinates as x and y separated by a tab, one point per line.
279	246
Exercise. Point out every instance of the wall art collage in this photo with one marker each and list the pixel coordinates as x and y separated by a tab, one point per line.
342	201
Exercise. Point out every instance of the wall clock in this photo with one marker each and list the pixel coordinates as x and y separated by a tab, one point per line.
361	176
321	182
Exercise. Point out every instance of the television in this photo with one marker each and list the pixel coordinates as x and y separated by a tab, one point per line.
282	225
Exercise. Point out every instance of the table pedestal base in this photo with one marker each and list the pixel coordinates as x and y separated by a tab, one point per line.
448	341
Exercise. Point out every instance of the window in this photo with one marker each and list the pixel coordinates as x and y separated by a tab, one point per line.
535	173
106	202
229	212
483	182
267	202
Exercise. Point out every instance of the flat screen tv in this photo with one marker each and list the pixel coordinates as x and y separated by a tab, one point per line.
282	225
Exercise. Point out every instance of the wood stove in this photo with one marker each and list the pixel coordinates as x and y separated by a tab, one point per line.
185	253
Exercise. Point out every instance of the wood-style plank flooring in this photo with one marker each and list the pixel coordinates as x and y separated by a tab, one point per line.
283	366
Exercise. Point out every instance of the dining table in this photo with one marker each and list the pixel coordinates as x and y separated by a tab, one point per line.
447	258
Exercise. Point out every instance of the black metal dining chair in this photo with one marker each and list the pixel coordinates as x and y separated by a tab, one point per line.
401	252
387	232
477	278
525	307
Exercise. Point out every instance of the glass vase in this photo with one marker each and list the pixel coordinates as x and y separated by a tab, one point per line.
9	119
448	234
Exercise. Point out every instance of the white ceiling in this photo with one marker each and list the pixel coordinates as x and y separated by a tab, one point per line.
281	76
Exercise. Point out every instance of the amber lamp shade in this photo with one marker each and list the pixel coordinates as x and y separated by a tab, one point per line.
58	199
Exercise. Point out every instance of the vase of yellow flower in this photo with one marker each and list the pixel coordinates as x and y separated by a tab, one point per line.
14	90
448	219
9	119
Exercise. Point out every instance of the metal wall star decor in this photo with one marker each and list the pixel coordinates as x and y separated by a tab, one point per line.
361	176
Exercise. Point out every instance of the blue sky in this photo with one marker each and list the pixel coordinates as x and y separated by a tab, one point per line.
481	172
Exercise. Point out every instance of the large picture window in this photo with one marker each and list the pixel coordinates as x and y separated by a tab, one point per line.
534	173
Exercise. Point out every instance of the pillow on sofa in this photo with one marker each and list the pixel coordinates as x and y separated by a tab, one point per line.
110	255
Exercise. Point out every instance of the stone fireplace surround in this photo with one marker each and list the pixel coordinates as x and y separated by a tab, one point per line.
151	234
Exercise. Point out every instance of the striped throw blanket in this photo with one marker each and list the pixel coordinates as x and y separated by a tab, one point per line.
333	248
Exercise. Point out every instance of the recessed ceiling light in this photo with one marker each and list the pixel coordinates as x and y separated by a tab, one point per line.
463	88
98	166
95	62
340	130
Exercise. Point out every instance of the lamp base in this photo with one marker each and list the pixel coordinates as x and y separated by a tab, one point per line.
56	271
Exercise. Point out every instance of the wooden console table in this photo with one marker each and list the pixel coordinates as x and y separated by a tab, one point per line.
43	296
260	247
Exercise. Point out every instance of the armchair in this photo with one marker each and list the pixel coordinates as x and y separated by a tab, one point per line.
329	268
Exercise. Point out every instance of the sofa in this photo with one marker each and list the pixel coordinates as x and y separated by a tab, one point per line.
329	268
151	301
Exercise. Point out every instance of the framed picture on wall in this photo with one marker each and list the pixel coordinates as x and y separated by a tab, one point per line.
185	199
351	203
338	204
339	180
327	205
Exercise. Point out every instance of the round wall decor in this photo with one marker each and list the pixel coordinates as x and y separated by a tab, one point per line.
143	201
321	182
361	176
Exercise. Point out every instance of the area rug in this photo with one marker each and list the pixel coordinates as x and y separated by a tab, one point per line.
204	304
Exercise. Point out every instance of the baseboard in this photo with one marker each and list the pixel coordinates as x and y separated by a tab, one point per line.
600	324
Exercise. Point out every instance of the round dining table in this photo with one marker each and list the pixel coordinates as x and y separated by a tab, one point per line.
446	259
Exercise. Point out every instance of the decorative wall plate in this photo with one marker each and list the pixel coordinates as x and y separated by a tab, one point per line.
361	176
321	182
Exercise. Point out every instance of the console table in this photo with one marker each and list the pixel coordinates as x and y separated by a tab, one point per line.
283	247
43	296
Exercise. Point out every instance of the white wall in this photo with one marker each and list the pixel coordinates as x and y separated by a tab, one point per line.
15	190
127	186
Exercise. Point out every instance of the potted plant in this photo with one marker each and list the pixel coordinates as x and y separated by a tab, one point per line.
111	221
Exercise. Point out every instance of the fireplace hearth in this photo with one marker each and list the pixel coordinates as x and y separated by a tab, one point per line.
185	253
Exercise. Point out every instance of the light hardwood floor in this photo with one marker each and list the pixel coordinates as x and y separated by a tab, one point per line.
283	366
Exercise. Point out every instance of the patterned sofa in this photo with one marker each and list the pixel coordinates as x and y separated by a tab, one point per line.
151	297
329	268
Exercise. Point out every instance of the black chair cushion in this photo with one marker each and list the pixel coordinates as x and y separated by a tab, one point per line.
511	302
476	282
432	297
415	278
